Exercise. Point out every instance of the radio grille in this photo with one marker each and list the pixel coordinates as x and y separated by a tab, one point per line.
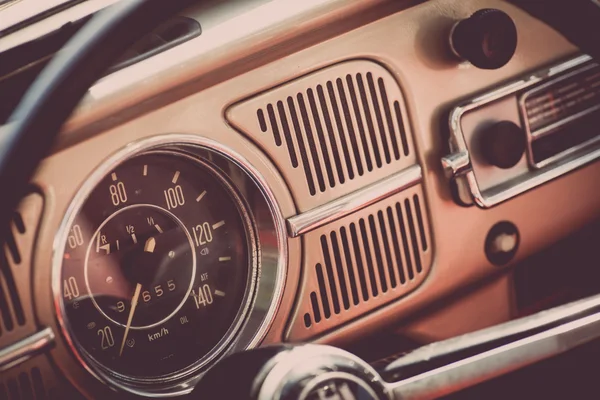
364	261
334	130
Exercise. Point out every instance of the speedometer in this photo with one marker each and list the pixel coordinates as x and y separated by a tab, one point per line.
158	268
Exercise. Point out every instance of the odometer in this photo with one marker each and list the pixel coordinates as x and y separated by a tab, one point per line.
158	268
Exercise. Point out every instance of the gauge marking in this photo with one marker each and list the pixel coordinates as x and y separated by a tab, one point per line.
118	245
145	173
218	224
219	293
201	196
222	259
105	247
175	177
158	228
134	302
133	238
114	176
150	245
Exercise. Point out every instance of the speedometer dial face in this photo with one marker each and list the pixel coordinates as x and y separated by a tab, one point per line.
157	268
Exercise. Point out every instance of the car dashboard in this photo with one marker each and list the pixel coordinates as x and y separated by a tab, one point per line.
293	172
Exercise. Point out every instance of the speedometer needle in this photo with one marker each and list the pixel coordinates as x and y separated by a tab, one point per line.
134	301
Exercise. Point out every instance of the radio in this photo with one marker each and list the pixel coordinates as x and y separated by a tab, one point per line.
563	115
524	134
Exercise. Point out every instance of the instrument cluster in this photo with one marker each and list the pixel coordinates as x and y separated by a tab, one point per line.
159	266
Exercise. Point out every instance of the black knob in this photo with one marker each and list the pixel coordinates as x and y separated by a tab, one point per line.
487	39
503	144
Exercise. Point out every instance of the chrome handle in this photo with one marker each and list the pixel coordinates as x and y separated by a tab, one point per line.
522	342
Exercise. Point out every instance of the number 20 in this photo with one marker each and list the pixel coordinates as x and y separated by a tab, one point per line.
107	339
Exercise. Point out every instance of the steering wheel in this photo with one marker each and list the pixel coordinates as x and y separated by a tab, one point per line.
272	372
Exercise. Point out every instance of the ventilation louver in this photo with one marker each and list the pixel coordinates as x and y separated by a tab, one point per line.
363	261
11	309
332	131
16	314
24	386
36	379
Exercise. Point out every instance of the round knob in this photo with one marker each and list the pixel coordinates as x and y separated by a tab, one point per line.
502	243
503	144
487	39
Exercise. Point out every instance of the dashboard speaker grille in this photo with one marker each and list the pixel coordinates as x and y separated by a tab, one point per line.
35	379
16	314
11	308
363	261
329	108
331	131
24	386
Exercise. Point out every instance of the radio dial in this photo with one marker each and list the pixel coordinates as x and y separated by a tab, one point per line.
487	39
503	144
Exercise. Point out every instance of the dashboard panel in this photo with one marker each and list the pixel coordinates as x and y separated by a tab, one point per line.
351	237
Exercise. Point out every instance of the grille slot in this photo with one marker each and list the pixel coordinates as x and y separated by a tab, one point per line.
366	260
327	136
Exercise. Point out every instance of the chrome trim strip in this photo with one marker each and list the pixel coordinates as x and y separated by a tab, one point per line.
25	349
460	151
339	208
501	360
536	178
491	334
563	154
